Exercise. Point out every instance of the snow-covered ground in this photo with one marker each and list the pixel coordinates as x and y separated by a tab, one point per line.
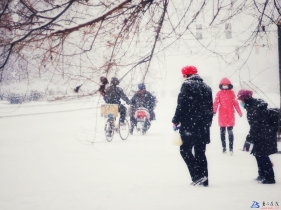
54	156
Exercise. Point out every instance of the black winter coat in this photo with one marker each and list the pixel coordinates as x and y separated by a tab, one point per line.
195	108
144	99
113	94
261	135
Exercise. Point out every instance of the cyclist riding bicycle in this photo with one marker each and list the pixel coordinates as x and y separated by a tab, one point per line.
113	94
144	99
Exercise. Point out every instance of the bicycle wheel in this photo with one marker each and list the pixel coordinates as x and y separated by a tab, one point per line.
124	129
109	129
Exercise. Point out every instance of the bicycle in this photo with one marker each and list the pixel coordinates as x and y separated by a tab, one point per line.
111	112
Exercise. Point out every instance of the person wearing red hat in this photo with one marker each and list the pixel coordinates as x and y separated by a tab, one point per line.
261	135
188	70
193	117
226	104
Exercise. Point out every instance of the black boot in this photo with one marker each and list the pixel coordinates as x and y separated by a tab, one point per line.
205	183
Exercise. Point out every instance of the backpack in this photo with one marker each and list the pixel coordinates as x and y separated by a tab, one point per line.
273	118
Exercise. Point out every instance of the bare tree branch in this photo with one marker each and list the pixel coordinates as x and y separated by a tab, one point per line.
82	40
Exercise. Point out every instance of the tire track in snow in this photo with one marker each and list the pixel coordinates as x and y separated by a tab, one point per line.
52	112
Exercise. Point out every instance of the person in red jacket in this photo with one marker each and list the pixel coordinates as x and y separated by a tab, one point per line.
225	102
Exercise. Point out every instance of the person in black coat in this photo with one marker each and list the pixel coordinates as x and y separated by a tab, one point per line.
193	117
142	98
113	94
261	135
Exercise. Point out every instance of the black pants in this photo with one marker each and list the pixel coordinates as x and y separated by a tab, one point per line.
133	123
246	146
122	111
265	169
230	137
197	163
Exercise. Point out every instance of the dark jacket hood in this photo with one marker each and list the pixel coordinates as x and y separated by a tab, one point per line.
250	102
225	81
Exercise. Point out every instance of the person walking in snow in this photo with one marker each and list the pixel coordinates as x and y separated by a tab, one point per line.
113	94
142	98
193	117
226	103
263	138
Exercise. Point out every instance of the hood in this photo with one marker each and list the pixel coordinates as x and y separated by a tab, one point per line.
253	102
225	81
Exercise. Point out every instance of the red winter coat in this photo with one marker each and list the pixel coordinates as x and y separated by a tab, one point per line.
225	101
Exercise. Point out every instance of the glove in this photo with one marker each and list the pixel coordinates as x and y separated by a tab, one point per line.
175	127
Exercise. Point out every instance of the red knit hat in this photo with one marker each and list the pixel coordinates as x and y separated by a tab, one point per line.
189	70
244	94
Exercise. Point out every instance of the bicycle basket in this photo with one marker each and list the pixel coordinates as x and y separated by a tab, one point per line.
107	109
